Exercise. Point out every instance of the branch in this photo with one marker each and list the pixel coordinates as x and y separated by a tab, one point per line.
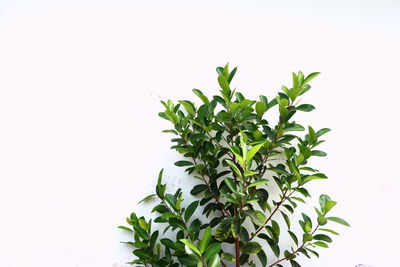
273	212
224	210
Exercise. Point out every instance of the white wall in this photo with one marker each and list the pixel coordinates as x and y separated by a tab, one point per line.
81	142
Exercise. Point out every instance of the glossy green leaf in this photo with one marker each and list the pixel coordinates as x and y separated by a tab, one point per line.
189	243
323	237
188	106
251	248
215	261
205	240
305	107
212	250
125	228
234	168
147	198
258	182
201	96
183	163
250	154
320	244
257	217
310	77
261	107
190	210
223	82
338	220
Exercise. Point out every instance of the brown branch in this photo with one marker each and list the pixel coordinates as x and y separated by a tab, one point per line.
272	214
224	210
237	252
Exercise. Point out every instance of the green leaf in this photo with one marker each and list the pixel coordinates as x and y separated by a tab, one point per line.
276	228
294	263
263	258
231	184
338	220
189	243
172	201
307	226
228	256
250	154
189	261
320	244
234	167
315	176
223	82
183	163
236	226
257	217
140	232
294	127
190	210
251	248
261	107
197	189
201	96
323	199
139	244
321	218
206	239
215	261
313	252
168	243
235	151
232	74
224	229
311	134
295	81
287	220
310	77
322	132
258	182
294	237
318	153
160	175
141	253
249	173
147	198
188	106
143	224
257	134
329	205
125	228
212	250
323	238
329	231
305	107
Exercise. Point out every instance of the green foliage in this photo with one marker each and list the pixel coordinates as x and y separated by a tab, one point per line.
228	145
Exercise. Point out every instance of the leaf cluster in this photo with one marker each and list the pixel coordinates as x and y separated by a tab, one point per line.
238	157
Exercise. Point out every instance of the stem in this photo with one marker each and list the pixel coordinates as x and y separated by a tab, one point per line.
237	252
272	214
224	210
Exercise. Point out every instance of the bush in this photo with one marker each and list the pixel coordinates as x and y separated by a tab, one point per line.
228	145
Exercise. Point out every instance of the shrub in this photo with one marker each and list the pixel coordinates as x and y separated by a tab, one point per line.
252	176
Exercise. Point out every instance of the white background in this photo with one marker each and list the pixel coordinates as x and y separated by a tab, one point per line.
81	142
